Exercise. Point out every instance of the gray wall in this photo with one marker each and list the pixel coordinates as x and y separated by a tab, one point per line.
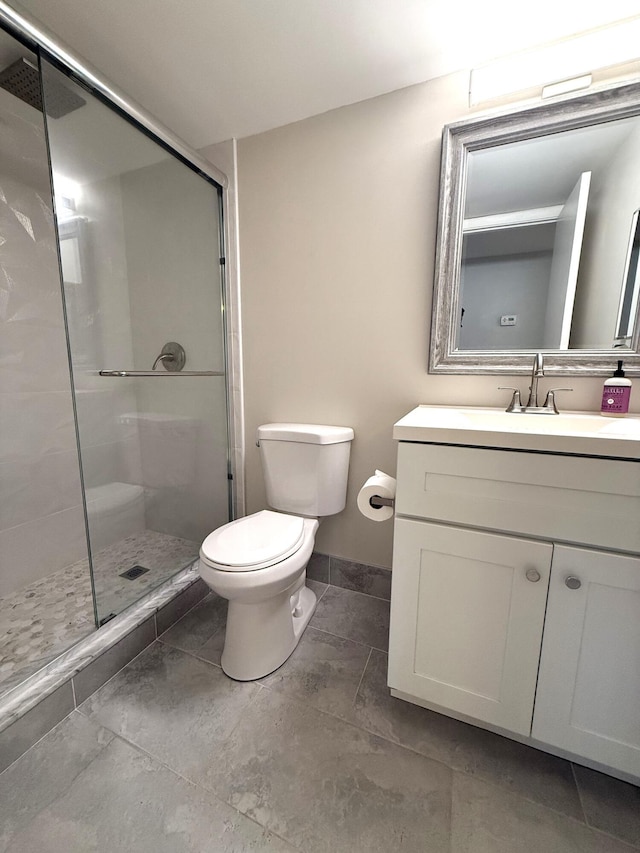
513	284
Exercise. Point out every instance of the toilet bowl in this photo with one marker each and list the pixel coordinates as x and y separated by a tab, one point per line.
259	562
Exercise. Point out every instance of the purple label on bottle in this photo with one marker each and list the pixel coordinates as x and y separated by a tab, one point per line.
615	398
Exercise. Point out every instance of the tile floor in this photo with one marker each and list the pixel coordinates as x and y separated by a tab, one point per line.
42	620
171	755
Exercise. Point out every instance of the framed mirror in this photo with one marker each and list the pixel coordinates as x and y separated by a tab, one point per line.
539	239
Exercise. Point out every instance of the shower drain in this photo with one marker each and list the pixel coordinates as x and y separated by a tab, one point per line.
134	572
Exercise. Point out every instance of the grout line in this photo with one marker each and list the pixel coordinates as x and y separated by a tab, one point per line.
579	792
124	665
340	637
198	786
187	612
360	592
194	654
355	725
40	739
484	779
586	819
322	583
362	676
571	818
252	701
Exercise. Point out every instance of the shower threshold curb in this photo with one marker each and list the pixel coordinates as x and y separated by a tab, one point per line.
22	698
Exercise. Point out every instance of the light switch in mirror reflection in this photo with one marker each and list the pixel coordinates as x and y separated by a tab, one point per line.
539	221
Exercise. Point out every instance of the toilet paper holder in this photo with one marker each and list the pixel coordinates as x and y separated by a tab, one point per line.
377	502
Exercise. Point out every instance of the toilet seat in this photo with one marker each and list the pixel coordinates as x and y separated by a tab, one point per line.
253	542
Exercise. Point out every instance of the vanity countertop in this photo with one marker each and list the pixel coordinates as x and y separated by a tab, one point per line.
583	433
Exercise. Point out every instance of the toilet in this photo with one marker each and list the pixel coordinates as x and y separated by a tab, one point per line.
259	562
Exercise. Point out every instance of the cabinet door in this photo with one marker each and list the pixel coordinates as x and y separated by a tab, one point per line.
588	699
467	610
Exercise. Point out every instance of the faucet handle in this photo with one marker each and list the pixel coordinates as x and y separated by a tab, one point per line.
550	399
516	403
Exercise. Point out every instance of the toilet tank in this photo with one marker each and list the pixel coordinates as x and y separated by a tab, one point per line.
305	467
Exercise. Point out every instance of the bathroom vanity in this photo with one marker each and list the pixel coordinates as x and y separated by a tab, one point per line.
515	598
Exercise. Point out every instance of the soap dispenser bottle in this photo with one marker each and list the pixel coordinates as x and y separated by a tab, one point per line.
616	394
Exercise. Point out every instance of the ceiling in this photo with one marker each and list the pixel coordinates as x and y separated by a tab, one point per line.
214	69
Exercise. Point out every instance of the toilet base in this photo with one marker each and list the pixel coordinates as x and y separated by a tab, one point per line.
260	636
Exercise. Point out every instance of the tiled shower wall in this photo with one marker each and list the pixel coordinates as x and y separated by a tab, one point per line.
41	517
110	444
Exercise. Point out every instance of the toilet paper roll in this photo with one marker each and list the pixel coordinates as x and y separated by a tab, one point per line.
384	486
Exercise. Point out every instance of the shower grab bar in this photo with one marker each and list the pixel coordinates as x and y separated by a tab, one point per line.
158	373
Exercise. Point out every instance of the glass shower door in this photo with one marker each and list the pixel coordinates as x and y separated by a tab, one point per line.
140	255
43	546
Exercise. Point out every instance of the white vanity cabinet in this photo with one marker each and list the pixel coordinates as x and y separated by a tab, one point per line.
470	641
516	596
588	697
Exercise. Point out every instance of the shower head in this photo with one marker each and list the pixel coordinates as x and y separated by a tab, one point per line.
22	79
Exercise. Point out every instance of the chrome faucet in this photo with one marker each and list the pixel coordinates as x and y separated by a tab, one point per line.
533	408
536	372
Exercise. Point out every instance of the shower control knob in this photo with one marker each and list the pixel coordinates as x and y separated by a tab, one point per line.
573	582
532	575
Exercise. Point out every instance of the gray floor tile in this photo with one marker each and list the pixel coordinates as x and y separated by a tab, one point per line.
43	773
353	616
173	705
125	801
366	782
317	587
211	651
324	671
327	786
487	819
198	625
609	804
522	769
371	580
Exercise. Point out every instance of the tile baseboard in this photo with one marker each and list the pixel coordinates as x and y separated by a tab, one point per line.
359	577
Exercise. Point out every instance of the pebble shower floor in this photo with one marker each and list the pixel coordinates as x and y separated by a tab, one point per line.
42	620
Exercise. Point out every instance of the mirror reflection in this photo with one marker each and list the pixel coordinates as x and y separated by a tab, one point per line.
549	256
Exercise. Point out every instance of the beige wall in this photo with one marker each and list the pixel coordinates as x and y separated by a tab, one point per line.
337	236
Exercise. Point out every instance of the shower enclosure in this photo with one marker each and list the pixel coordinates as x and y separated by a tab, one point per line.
114	461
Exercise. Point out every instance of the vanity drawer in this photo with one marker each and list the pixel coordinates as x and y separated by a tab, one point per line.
565	498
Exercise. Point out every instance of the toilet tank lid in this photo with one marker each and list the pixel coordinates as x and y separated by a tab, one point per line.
305	433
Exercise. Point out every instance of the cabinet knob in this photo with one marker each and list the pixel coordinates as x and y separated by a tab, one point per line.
532	575
573	582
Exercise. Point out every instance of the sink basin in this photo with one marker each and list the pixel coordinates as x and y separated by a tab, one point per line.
572	432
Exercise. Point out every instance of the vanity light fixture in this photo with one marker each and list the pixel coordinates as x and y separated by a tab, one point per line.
566	60
566	86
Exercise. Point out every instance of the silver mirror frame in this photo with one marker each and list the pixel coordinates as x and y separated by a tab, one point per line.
605	104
